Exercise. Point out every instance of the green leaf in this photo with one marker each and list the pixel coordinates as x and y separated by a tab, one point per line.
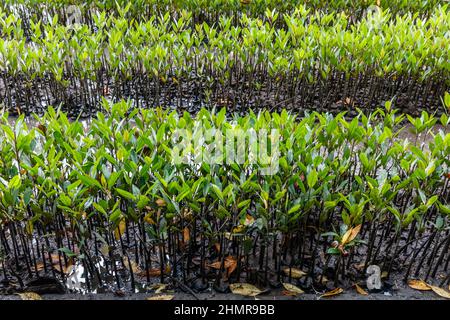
217	191
99	208
68	252
244	203
15	182
89	182
312	178
294	209
125	194
115	215
65	200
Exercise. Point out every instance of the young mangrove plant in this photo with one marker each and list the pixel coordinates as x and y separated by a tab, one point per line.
138	195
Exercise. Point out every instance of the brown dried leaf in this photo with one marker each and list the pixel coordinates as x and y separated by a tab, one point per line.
154	272
295	273
186	235
293	289
215	265
40	266
350	235
161	297
231	264
134	266
332	293
354	233
30	296
245	289
346	236
68	269
418	285
360	290
441	292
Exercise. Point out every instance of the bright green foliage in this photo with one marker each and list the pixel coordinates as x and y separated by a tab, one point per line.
122	56
332	172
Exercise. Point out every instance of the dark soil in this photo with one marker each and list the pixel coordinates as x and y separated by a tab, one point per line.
238	96
399	292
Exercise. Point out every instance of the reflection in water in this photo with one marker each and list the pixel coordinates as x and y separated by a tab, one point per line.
76	280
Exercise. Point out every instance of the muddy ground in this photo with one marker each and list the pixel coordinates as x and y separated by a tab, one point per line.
392	290
403	293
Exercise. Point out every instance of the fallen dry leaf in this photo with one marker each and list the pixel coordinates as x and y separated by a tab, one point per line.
216	265
159	287
55	264
118	232
40	266
154	272
292	289
30	296
360	290
134	266
161	297
333	292
295	273
104	249
441	292
68	269
418	285
244	289
231	264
